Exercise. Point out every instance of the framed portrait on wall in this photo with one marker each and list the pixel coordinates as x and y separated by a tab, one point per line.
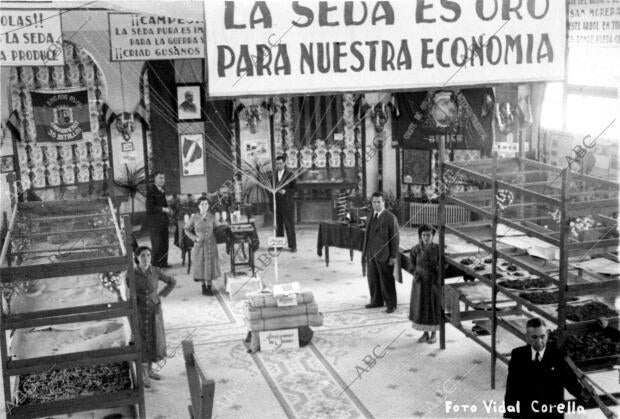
189	102
6	164
192	154
416	166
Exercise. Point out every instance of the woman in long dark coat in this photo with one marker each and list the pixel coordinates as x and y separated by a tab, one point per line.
150	318
205	260
425	304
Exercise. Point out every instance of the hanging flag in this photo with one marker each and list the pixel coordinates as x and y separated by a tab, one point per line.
142	113
61	117
13	125
106	115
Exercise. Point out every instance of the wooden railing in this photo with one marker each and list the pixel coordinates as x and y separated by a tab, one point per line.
201	388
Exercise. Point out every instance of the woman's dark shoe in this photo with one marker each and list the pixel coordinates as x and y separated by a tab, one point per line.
423	338
432	339
206	290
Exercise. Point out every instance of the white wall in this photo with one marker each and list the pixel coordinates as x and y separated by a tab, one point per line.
389	159
122	79
372	163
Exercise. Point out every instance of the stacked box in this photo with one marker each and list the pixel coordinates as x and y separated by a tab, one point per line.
261	312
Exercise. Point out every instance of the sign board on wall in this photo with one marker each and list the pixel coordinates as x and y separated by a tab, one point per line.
31	38
274	47
594	23
136	37
274	340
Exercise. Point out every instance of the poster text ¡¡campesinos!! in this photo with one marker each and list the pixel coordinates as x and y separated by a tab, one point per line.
275	47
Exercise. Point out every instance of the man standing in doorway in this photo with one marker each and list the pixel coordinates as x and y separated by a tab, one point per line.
285	204
379	253
157	212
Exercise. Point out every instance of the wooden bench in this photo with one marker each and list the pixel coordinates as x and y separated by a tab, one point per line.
201	388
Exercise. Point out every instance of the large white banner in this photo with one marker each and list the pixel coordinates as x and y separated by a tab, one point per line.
31	37
274	47
136	37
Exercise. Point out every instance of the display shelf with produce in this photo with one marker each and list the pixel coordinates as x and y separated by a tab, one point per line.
544	246
69	336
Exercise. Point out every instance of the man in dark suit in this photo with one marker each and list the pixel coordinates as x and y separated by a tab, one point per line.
537	376
157	218
379	253
285	203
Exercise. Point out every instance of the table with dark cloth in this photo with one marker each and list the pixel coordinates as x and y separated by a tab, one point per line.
341	235
223	234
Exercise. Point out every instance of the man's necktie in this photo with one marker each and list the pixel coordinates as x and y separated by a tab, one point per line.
537	356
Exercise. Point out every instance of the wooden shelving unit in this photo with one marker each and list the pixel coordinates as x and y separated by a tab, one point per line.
92	244
544	201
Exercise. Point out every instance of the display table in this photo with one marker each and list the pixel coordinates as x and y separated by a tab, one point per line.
341	235
70	346
223	234
237	236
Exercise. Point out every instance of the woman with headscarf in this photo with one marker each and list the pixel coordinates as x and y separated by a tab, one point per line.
150	318
205	261
425	304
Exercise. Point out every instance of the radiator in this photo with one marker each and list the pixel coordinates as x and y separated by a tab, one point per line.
420	213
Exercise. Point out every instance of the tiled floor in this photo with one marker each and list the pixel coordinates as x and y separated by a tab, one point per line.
337	376
361	363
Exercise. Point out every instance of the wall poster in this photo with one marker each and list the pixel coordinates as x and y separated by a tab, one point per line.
31	38
137	37
192	154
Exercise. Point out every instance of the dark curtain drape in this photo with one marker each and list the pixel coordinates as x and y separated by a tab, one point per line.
317	117
218	137
163	117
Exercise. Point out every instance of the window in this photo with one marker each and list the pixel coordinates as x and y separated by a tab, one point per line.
551	113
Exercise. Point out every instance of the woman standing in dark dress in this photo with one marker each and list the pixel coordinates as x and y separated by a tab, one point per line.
150	317
425	304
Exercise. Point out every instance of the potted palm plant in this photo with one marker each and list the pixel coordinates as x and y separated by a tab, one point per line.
255	194
133	181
